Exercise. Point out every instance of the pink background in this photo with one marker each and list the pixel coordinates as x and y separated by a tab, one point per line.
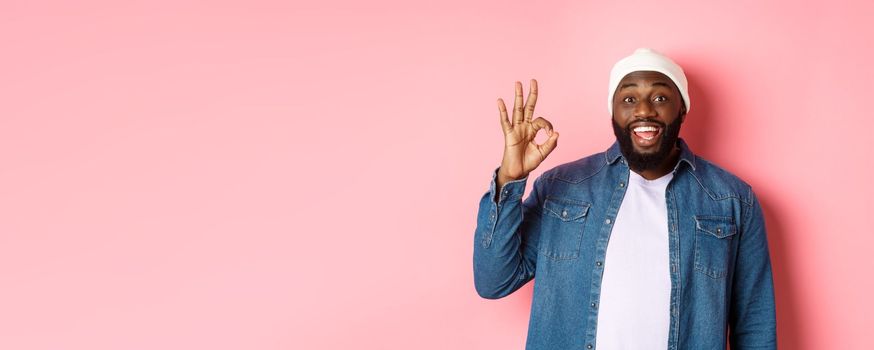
266	175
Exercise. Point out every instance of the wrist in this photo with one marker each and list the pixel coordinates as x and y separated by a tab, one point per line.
504	178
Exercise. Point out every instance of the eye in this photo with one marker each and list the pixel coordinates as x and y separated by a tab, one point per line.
661	99
628	100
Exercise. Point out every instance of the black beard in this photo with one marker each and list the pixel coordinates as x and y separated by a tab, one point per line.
640	162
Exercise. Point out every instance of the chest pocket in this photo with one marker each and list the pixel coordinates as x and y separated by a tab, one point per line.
714	244
563	222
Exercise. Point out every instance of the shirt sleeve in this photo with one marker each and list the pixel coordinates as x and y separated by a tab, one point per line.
506	237
752	318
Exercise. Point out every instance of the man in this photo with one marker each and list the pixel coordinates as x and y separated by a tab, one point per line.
643	246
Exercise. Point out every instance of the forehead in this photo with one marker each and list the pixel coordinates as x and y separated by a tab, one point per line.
646	78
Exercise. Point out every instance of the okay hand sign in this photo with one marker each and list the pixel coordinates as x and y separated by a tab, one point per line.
521	153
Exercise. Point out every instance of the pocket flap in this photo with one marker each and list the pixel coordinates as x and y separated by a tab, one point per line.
566	209
719	226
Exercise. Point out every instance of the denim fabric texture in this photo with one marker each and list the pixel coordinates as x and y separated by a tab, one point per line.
721	283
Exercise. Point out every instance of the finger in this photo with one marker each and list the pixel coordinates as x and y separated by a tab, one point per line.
505	123
518	116
541	123
531	101
549	145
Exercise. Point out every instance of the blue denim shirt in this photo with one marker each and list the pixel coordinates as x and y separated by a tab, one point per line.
720	266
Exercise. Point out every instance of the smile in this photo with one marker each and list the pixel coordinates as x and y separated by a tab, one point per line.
646	134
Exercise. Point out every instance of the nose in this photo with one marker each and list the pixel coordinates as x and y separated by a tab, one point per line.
644	109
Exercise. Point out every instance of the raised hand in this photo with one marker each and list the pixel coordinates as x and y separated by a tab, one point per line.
521	153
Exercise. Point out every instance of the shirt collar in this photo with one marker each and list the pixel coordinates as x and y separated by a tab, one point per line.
614	153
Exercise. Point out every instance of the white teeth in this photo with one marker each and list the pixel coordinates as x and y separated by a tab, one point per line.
645	128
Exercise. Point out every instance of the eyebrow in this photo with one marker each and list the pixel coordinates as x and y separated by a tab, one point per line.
658	83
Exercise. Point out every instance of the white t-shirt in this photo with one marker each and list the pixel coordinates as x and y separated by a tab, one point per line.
634	310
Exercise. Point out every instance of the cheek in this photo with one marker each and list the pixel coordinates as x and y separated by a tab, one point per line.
669	110
622	115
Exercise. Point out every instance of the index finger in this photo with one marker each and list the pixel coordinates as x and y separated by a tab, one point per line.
532	99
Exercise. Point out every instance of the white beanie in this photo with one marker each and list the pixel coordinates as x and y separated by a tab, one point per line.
644	59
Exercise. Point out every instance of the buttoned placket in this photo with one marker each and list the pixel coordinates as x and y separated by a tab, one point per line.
600	256
674	258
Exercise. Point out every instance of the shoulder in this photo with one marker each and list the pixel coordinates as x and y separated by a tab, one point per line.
720	183
578	170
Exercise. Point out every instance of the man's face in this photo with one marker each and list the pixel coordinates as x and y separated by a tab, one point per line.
647	113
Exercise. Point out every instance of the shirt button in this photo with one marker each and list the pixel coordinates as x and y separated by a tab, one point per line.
564	213
589	346
593	304
598	263
719	230
621	184
607	221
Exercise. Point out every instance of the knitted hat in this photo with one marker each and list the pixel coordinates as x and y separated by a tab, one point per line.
644	59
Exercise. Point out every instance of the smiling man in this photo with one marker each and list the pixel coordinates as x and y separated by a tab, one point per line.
643	246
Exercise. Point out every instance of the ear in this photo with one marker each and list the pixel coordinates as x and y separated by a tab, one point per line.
682	113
